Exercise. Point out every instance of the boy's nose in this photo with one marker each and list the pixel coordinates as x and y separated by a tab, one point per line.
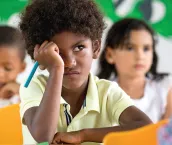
70	62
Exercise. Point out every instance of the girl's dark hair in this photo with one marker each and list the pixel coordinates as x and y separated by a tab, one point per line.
116	37
10	36
42	19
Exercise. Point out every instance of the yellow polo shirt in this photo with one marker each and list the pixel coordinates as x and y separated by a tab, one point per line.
104	103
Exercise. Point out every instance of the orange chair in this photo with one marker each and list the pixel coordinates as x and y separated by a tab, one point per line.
146	135
10	126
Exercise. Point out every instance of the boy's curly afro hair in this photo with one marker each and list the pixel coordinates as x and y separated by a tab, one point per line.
42	19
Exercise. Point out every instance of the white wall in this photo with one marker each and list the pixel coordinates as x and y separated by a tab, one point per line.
164	51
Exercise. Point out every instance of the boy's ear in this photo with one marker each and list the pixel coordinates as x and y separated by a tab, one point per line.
96	48
23	67
109	55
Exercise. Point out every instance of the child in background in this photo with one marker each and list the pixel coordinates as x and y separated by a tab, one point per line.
129	58
70	105
165	134
12	54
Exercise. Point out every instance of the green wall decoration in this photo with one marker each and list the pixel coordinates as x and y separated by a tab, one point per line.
158	13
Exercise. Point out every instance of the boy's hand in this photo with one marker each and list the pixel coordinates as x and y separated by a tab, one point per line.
48	56
68	137
9	90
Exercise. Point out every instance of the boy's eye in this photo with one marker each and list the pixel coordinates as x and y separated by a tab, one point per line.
78	48
8	68
130	48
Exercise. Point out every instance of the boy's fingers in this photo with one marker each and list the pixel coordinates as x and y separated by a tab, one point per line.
36	50
50	44
43	44
38	47
42	67
57	49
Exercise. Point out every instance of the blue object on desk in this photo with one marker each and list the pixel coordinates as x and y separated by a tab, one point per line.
31	74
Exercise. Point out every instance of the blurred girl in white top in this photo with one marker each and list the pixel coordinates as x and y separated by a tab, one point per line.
130	59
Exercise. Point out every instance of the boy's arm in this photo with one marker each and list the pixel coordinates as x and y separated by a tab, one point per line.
42	121
131	118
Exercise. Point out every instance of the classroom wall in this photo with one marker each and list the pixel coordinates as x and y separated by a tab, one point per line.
157	13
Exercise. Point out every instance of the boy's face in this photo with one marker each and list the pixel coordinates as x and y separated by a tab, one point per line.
77	53
10	65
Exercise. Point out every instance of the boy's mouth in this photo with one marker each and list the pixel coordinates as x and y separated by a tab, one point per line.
71	73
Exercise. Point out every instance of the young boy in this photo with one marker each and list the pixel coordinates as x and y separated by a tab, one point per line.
12	54
70	105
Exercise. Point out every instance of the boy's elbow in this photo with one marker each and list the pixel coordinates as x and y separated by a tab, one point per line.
42	136
144	121
141	118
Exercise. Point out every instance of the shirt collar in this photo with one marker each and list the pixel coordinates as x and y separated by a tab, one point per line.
62	101
92	99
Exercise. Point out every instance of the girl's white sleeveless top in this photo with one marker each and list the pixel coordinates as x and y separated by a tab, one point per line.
154	101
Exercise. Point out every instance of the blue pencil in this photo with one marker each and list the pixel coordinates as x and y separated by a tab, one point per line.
31	74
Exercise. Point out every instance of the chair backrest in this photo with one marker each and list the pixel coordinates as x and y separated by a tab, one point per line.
10	126
146	135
